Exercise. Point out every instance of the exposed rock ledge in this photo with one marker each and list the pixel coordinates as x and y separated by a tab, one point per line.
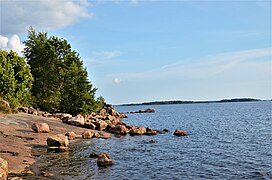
18	141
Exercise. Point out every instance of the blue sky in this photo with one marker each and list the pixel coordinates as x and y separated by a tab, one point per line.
139	51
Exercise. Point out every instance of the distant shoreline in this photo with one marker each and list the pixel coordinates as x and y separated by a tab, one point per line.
193	102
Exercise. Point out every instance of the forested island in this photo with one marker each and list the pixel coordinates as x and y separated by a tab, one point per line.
192	102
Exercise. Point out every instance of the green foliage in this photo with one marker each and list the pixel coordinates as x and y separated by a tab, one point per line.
100	102
15	79
60	80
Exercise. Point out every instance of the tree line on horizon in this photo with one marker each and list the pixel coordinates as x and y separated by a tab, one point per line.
51	77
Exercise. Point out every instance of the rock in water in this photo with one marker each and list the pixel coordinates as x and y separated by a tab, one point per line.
150	131
101	134
94	155
119	129
3	169
179	132
87	134
58	140
104	160
137	131
40	127
70	135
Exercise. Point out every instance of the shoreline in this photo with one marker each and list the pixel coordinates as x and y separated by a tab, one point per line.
19	144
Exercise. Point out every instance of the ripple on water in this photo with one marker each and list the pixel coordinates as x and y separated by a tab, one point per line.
226	141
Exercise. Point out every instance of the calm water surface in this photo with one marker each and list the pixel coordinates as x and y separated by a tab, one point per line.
226	141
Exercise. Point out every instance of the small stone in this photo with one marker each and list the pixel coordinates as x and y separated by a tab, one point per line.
104	160
87	134
46	174
70	135
179	132
150	132
101	134
94	155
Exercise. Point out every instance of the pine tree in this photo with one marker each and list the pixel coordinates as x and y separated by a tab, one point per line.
60	80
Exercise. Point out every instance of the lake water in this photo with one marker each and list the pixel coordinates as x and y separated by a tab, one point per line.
226	141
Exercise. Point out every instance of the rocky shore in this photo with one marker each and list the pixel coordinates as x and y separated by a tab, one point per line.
21	134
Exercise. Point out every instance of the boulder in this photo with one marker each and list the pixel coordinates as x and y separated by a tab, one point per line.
62	115
100	125
3	169
40	127
4	103
89	125
111	111
76	121
119	129
32	111
179	132
116	121
101	134
46	114
137	131
123	115
58	140
110	117
87	134
150	132
150	110
104	160
103	112
71	135
23	109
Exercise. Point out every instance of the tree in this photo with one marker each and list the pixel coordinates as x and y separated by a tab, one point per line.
77	95
60	80
15	78
44	55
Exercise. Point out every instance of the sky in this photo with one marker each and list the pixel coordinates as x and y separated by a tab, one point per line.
140	51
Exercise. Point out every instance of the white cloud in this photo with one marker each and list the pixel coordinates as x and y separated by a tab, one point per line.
17	16
13	43
135	2
3	42
206	67
117	80
101	57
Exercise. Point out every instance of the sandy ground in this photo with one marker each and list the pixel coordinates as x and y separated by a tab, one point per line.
18	141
